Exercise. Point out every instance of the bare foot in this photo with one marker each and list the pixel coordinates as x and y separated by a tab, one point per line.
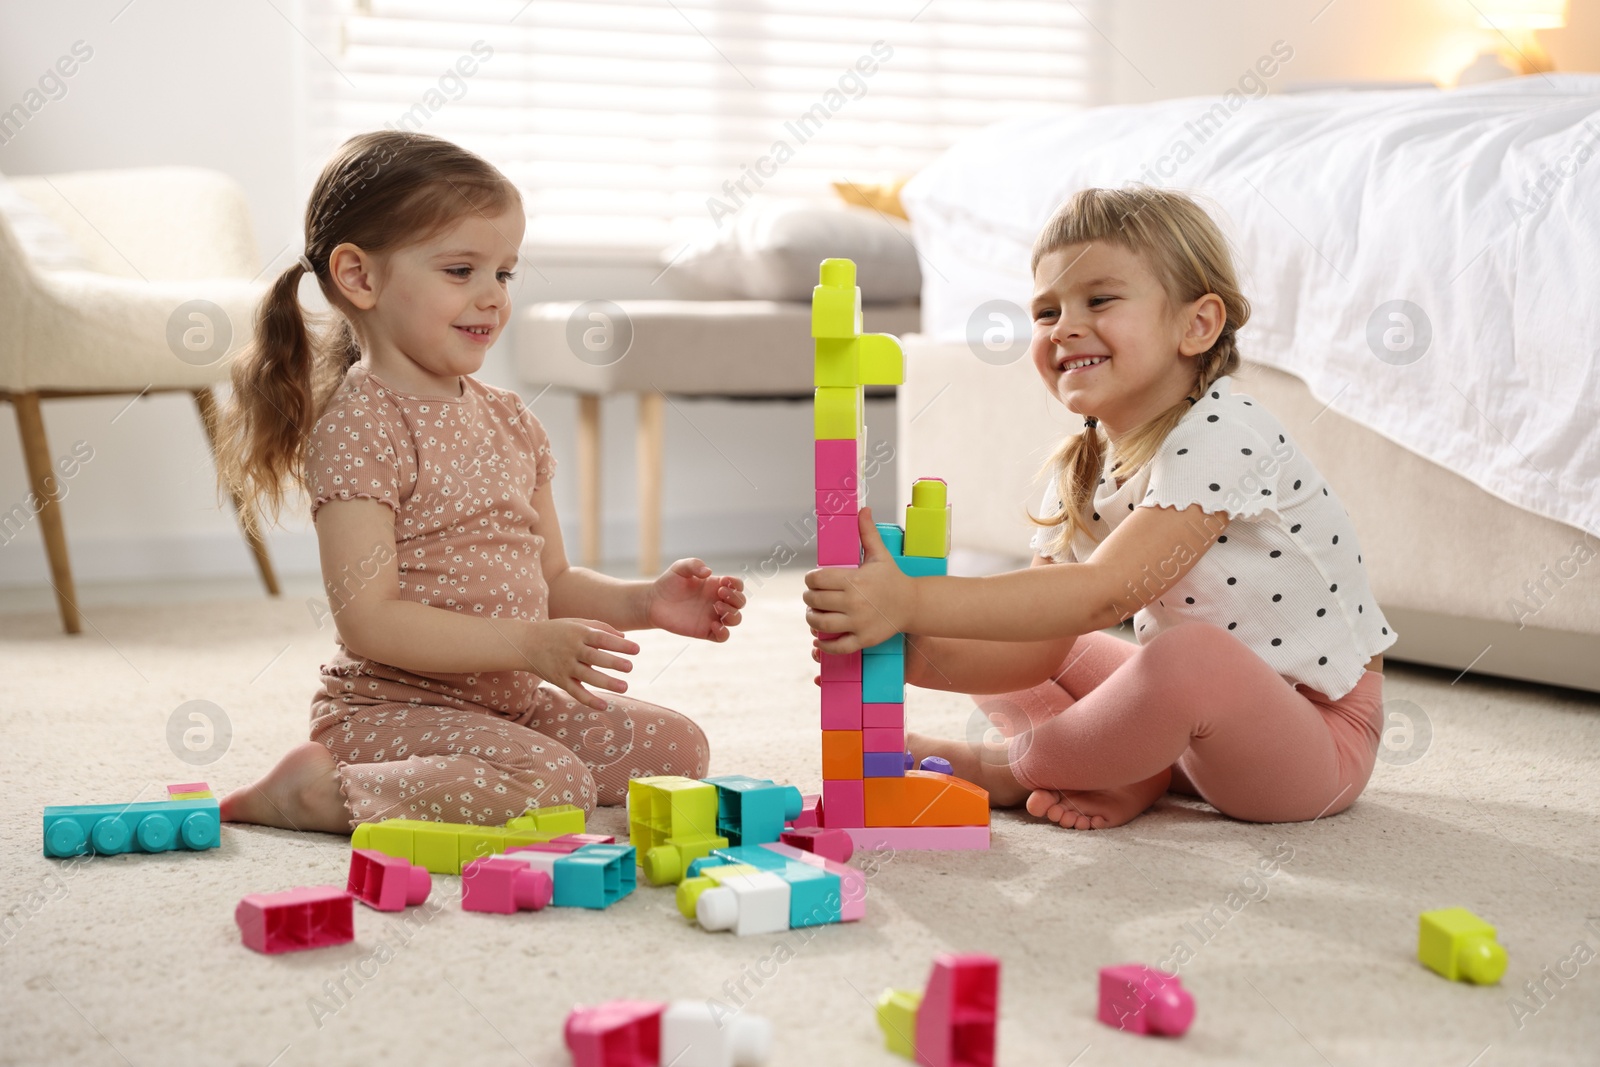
1098	809
993	774
300	793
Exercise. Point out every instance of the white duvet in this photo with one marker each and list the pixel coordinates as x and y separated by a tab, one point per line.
1478	207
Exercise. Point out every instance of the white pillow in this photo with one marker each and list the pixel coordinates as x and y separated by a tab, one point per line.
42	240
770	250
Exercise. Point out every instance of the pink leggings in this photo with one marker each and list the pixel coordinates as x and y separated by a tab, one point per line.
1198	700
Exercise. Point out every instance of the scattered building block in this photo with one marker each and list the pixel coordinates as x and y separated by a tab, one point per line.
595	876
897	1018
753	811
841	756
1460	946
619	1033
843	803
1142	1000
815	892
756	903
852	881
384	882
836	845
504	885
959	1013
672	821
296	919
189	791
551	822
810	807
693	1035
443	847
150	826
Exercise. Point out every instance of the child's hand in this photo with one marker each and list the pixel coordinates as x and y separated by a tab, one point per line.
863	605
568	652
688	599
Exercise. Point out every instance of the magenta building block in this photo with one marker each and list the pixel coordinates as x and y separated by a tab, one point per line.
841	707
296	919
618	1033
881	716
852	881
1143	1000
810	806
838	541
843	668
882	738
504	886
838	502
384	882
844	802
883	765
956	1022
835	845
837	465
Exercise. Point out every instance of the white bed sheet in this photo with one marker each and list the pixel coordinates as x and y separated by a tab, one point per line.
1481	206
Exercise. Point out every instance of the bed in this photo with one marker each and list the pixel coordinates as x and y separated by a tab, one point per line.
1412	258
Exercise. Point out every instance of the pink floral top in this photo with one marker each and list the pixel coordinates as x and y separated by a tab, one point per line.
460	477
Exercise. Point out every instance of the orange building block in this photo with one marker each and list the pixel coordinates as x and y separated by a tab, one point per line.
924	798
841	754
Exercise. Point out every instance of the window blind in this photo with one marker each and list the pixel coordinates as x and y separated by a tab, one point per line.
631	123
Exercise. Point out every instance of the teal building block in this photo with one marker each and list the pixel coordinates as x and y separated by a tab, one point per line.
753	811
152	826
923	566
883	679
896	646
595	876
894	538
814	893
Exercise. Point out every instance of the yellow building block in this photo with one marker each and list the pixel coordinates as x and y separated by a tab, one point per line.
837	362
928	520
554	821
881	362
1459	945
203	795
441	847
840	413
897	1018
672	821
836	303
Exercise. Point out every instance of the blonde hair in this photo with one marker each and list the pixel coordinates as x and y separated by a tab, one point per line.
381	191
1186	252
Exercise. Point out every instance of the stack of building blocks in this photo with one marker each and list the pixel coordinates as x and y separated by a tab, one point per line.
384	882
580	876
953	1023
866	788
188	820
444	847
1143	1000
296	919
647	1033
1460	946
754	889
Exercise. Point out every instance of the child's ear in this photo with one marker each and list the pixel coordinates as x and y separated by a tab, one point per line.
1203	322
354	272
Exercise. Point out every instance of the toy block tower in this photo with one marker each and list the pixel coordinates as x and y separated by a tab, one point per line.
867	788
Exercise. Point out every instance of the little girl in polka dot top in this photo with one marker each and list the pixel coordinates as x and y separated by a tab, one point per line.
467	645
1257	679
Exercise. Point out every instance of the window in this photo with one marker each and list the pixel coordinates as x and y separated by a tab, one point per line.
631	123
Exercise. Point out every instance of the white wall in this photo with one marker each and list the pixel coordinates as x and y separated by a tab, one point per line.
184	81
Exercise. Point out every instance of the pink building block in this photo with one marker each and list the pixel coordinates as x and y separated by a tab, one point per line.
914	838
385	882
841	708
810	805
838	541
881	738
838	502
1143	1000
585	839
832	844
845	668
844	803
296	919
618	1033
852	882
957	1017
187	787
882	716
503	886
837	466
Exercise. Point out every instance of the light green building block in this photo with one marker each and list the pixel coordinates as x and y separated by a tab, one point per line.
836	303
1459	945
897	1018
928	519
672	821
840	413
555	820
689	889
881	360
442	847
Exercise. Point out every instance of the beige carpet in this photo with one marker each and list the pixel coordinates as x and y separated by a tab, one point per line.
136	958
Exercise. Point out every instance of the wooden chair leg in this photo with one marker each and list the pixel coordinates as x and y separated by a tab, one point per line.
42	480
589	477
206	401
649	445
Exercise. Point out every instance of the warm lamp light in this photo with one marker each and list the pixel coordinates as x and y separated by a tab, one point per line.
1515	21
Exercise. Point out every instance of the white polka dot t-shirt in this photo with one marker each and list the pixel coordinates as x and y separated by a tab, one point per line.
459	475
1286	577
